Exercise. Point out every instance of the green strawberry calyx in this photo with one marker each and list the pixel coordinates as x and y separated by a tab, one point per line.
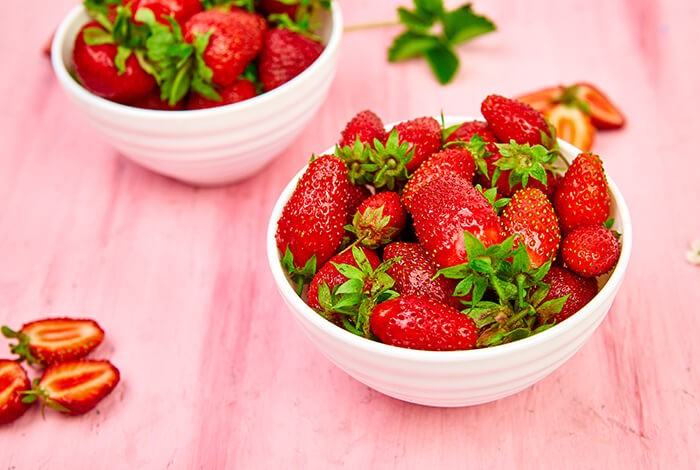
306	19
371	228
299	276
22	347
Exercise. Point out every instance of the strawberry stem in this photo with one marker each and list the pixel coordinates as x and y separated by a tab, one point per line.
365	26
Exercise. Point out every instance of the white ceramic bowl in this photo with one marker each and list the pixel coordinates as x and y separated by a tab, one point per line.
210	146
454	378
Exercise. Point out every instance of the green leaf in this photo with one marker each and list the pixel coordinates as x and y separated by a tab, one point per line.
463	24
415	21
481	265
351	286
443	62
410	44
95	36
429	7
473	245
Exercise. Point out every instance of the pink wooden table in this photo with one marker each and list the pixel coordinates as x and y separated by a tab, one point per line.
216	374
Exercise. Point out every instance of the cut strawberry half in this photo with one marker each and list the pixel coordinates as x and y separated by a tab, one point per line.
13	381
572	124
543	98
52	340
74	387
604	114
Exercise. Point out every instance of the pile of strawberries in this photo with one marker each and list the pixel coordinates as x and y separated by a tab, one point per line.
194	54
69	383
443	238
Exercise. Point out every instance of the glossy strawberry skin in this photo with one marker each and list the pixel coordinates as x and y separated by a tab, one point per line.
443	209
604	114
591	250
78	385
468	129
414	273
236	39
13	380
240	90
530	216
284	55
154	101
313	220
418	322
563	282
511	119
365	126
452	159
367	221
332	277
94	66
277	7
582	196
424	135
180	10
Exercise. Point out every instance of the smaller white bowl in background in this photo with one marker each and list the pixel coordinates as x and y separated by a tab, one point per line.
210	146
454	378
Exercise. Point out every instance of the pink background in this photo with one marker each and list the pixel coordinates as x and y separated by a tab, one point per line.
216	374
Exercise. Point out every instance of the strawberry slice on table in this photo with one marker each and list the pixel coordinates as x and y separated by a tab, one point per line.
530	217
572	125
284	55
542	98
13	381
591	250
419	322
604	113
52	340
74	387
582	196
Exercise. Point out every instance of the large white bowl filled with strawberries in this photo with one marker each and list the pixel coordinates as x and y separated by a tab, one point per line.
204	91
450	263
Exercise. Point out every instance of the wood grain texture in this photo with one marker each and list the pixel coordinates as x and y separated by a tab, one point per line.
216	374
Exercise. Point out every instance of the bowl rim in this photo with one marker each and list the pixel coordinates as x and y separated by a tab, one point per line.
79	13
462	356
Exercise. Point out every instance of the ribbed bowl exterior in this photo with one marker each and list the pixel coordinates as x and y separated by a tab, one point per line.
455	378
211	146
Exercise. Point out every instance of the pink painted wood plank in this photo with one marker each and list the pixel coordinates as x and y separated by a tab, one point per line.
216	374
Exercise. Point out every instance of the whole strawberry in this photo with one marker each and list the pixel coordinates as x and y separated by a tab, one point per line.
311	227
235	39
424	136
240	90
285	54
530	216
414	272
591	250
443	209
465	131
13	381
418	322
179	10
565	282
510	119
365	126
379	219
582	196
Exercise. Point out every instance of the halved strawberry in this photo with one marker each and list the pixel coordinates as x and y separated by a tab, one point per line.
13	381
604	114
572	125
53	340
542	98
74	387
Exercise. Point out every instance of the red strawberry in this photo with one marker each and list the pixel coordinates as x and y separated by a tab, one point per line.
414	273
453	159
582	196
52	340
542	99
313	220
443	209
278	7
365	126
418	322
75	387
154	101
502	183
332	277
356	195
236	39
604	114
591	250
379	219
530	216
240	90
564	282
180	10
468	129
97	71
512	119
424	135
13	380
572	125
285	54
